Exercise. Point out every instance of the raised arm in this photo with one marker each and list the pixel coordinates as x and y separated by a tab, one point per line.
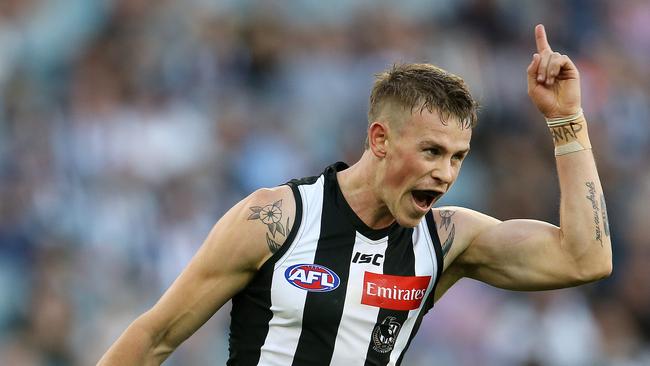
234	250
534	255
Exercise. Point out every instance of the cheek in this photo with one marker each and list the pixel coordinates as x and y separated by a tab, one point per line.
401	171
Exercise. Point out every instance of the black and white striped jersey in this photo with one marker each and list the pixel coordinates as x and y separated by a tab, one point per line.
337	292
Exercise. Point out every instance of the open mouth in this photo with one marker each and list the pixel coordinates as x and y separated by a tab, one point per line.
425	198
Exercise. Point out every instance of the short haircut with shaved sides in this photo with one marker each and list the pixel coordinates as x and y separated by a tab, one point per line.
420	86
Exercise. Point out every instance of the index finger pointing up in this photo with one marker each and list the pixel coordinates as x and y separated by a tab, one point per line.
540	39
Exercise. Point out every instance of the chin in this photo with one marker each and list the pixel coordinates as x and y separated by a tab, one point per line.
409	222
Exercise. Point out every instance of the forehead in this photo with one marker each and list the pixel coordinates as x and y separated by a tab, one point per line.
427	127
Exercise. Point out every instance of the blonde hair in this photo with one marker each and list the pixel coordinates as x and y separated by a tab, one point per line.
411	86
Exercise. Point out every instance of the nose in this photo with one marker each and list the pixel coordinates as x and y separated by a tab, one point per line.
443	171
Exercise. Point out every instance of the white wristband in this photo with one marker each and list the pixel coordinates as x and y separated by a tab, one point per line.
563	121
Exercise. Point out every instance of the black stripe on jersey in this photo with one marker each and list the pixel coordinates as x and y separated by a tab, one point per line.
399	260
431	225
294	183
433	232
323	311
251	308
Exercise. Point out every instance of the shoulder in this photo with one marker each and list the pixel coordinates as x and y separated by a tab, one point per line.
257	226
461	215
273	210
281	196
457	227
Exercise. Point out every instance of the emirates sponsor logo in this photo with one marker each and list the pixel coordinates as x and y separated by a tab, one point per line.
394	292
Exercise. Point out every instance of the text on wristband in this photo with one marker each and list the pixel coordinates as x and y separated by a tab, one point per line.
567	133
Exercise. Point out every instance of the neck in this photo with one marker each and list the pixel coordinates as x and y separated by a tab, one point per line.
359	186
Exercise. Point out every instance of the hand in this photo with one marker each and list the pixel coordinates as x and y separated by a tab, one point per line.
553	80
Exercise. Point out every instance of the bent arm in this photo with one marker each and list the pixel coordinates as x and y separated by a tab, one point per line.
584	226
226	262
534	255
531	255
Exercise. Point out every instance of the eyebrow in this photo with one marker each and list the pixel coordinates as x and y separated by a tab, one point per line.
434	145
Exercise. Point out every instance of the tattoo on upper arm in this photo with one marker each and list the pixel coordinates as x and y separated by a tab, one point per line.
594	205
450	240
445	222
446	218
603	207
271	216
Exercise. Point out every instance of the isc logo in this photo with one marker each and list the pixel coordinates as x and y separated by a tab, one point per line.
368	258
312	277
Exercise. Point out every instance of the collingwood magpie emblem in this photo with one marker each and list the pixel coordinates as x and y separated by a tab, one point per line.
385	334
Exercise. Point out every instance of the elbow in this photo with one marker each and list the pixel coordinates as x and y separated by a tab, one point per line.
591	259
595	271
603	272
609	268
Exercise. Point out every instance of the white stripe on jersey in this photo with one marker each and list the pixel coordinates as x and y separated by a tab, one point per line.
358	319
288	302
425	265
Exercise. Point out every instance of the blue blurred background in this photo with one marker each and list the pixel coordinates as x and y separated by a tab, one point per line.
128	127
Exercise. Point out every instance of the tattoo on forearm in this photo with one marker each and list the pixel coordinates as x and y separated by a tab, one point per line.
271	216
449	242
603	207
594	205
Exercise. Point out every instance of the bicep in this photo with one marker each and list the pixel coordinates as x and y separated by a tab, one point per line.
519	255
226	262
212	277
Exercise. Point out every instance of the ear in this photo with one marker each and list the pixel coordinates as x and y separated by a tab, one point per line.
378	138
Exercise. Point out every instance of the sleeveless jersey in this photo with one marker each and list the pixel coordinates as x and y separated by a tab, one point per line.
337	292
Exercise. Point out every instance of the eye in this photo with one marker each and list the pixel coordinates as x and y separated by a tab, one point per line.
459	157
433	151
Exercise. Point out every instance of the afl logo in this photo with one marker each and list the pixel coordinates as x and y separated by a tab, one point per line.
312	277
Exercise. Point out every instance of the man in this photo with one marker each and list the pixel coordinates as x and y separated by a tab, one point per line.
340	269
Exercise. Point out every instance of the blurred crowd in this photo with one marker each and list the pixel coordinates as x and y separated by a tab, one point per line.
128	127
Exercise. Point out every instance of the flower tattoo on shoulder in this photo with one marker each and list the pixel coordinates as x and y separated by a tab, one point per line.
271	216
